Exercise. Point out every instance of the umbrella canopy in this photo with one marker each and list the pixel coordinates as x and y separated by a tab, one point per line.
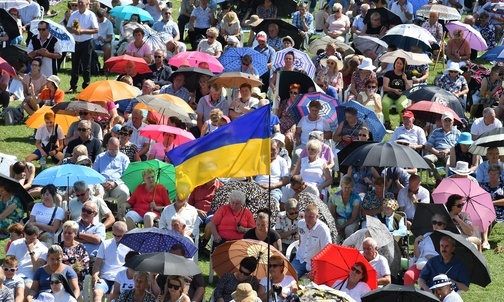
156	132
164	107
422	221
4	65
321	43
368	42
302	61
6	160
227	256
387	154
387	16
350	148
17	189
231	59
334	262
164	264
286	29
494	54
435	94
59	31
411	58
492	138
393	292
125	13
474	261
387	246
236	79
9	24
15	55
132	177
153	38
285	8
108	3
406	35
177	101
445	13
74	107
431	111
477	202
62	120
107	90
67	175
7	4
289	77
471	34
191	75
328	110
194	58
364	115
152	240
118	64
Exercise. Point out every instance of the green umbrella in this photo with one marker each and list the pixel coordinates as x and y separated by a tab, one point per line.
132	177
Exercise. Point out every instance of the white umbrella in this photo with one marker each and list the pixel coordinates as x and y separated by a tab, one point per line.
6	161
406	35
66	39
108	3
367	42
8	4
411	58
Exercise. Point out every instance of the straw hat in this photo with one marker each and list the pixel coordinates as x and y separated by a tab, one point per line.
339	64
244	292
288	38
253	21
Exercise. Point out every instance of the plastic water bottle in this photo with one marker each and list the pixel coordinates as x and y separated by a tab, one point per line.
42	162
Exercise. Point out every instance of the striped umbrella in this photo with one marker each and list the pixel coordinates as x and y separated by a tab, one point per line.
328	110
302	60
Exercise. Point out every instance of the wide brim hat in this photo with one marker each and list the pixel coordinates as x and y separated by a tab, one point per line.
367	64
453	66
253	21
339	64
461	168
440	281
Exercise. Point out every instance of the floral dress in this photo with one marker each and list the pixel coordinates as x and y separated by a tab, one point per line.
285	224
344	212
264	13
14	216
286	120
496	193
78	258
127	296
130	151
360	83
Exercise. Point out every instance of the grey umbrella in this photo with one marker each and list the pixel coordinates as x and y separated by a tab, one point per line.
163	263
387	247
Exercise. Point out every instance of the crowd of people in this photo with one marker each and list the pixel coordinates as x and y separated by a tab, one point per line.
62	238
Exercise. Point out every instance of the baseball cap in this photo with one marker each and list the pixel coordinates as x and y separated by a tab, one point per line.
407	113
261	36
446	115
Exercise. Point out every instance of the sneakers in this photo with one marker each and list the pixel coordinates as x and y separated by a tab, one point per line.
72	90
485	246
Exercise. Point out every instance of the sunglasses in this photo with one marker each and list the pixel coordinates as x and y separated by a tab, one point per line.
293	92
87	211
460	205
117	236
80	195
12	270
124	133
244	273
83	113
293	213
42	29
371	87
275	265
82	129
357	271
453	71
439	223
55	282
175	287
167	14
158	56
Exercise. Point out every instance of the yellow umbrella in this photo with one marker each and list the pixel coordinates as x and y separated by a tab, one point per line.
177	101
107	90
62	120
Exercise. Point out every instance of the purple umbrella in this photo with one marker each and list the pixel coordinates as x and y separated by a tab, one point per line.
328	110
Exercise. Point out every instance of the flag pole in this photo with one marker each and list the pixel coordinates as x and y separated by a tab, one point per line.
268	281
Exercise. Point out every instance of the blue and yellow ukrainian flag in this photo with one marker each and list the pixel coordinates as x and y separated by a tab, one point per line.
238	149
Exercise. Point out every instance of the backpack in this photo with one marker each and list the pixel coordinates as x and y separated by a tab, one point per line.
13	115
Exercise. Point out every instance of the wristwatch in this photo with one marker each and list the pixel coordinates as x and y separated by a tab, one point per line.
31	253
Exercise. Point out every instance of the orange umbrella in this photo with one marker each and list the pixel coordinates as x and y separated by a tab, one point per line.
62	120
107	90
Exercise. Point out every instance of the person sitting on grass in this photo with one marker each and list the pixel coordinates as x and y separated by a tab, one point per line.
49	140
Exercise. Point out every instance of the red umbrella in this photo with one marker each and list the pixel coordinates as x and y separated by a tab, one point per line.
478	202
7	67
430	111
334	262
196	59
156	132
118	64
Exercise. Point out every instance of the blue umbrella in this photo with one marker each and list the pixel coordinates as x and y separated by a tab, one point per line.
125	13
494	54
66	175
59	31
365	115
328	110
231	59
153	240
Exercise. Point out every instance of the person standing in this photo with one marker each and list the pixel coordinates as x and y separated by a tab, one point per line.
82	24
46	47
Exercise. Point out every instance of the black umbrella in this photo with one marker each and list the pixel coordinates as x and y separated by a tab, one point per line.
493	138
74	107
164	264
290	77
387	154
286	29
15	55
349	149
387	16
17	189
9	24
422	220
393	292
285	8
435	94
191	76
476	264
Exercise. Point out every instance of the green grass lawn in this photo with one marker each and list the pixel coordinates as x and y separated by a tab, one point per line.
15	140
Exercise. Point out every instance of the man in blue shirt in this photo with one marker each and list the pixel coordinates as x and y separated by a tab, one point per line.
269	52
303	20
90	234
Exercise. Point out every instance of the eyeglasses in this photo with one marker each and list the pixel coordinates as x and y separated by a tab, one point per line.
81	195
9	269
371	87
293	213
124	133
82	129
175	287
460	205
158	56
357	271
293	92
83	113
244	273
117	236
42	29
275	265
87	211
55	282
439	223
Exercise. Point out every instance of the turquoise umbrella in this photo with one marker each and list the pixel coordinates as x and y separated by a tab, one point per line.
132	177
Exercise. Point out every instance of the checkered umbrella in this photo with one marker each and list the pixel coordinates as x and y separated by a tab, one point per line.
328	110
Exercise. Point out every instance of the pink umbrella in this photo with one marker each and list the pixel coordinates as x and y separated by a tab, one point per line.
196	59
156	132
478	202
7	67
471	34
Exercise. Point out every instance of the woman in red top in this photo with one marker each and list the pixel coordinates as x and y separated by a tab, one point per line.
231	221
147	201
51	95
